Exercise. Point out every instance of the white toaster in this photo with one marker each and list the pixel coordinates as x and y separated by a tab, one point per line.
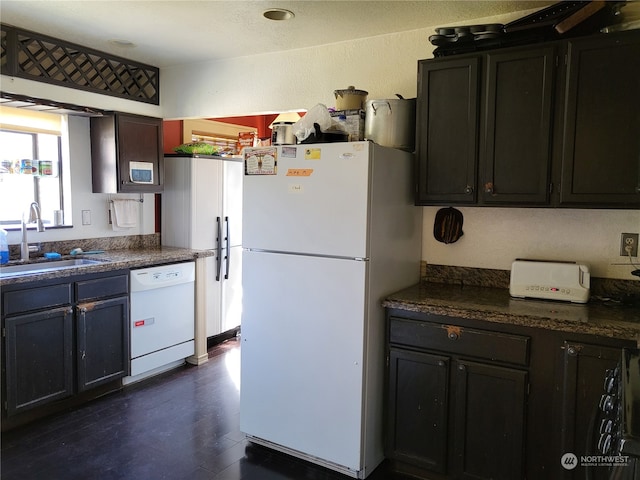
564	281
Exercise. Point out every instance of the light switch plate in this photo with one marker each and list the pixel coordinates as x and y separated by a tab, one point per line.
86	217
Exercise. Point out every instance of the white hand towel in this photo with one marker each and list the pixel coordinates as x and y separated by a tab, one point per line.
124	214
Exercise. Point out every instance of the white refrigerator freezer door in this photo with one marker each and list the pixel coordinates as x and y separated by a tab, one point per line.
302	354
316	204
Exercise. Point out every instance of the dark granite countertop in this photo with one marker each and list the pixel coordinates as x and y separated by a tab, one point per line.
598	317
115	260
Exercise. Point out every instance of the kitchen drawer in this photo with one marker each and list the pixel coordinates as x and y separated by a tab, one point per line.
102	287
450	338
31	299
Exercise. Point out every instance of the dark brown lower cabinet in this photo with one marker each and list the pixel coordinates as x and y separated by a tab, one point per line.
489	419
61	339
449	412
103	341
419	409
39	358
475	400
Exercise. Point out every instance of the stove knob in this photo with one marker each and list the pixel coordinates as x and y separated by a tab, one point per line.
604	444
610	381
607	403
610	385
606	426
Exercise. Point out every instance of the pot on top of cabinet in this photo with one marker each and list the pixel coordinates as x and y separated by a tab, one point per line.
282	134
350	98
391	122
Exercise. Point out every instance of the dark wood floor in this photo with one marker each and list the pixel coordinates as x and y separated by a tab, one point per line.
181	425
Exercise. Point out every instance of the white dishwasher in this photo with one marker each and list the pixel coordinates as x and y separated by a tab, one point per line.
162	318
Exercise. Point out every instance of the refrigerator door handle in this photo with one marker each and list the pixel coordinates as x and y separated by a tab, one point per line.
218	250
228	256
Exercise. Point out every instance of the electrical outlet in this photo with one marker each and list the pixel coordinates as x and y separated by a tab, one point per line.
629	244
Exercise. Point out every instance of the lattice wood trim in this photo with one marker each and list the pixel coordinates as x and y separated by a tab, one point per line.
45	59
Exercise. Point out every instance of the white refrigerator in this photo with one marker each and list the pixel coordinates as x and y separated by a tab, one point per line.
202	209
328	231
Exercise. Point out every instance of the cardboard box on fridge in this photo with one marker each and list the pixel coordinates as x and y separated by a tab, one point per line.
353	123
246	139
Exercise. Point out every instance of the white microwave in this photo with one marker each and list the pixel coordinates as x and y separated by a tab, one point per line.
141	172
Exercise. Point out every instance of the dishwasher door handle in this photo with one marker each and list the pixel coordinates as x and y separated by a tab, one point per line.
218	250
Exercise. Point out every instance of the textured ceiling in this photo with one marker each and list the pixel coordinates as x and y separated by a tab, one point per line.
168	33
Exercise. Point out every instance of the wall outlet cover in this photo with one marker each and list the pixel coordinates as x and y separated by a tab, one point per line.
629	240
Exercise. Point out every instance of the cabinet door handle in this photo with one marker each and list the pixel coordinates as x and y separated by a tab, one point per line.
573	350
440	363
468	190
462	368
218	249
453	332
228	257
488	188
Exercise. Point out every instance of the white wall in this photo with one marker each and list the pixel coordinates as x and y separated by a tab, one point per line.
294	80
84	199
494	237
299	79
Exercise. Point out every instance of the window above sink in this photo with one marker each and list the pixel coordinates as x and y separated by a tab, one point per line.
34	166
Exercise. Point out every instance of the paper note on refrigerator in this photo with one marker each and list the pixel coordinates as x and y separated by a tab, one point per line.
261	161
299	172
312	153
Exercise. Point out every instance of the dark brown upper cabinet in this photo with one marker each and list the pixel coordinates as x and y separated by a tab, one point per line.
601	130
484	127
126	154
551	124
447	138
516	128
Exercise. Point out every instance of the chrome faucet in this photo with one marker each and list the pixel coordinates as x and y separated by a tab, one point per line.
34	217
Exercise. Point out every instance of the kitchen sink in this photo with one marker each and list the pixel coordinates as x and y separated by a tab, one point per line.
41	267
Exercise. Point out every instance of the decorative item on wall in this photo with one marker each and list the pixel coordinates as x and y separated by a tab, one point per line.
447	227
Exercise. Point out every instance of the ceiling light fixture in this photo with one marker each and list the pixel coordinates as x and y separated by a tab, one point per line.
278	14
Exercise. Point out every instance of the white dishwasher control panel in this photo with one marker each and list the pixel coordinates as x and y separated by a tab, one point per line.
162	276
